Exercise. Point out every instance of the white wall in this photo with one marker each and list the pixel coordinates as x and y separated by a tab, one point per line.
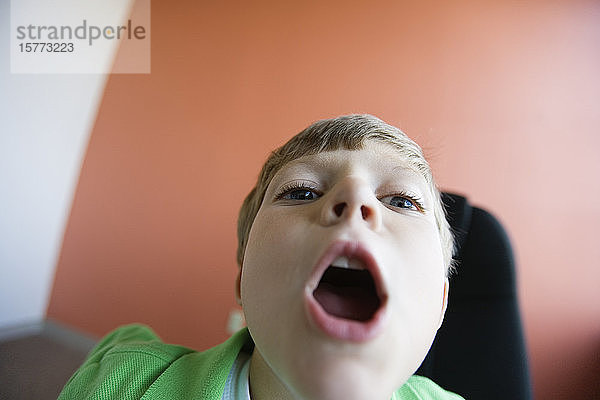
45	122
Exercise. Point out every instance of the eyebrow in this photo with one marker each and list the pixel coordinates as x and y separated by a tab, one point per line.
318	163
308	167
409	167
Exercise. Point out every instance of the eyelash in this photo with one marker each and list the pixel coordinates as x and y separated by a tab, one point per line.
418	203
296	186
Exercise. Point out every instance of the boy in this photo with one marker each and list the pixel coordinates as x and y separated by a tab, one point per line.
344	252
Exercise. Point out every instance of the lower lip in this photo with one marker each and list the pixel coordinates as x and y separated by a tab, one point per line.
345	329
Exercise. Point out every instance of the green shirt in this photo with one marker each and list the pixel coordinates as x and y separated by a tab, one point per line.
133	363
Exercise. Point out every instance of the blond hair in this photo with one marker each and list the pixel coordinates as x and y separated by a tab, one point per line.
349	133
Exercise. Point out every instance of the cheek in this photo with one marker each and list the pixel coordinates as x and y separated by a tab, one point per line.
270	273
420	246
259	258
272	287
419	274
273	232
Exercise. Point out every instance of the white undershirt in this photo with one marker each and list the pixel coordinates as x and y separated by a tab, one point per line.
237	386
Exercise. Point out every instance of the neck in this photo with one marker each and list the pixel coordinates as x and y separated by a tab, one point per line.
264	384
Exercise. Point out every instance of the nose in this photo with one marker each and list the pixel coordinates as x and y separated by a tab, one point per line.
351	200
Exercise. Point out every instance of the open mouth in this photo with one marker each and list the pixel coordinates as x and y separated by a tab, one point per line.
347	290
346	297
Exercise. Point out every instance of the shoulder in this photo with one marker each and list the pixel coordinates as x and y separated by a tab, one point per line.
132	362
123	364
135	339
421	388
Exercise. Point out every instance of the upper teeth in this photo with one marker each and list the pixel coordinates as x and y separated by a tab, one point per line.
343	262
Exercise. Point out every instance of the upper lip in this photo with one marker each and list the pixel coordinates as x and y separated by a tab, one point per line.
351	250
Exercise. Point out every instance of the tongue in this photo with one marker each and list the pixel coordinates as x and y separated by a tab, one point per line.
348	294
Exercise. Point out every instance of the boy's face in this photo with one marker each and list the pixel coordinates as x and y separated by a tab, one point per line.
343	281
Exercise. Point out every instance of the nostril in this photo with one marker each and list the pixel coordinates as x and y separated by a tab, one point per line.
365	211
339	209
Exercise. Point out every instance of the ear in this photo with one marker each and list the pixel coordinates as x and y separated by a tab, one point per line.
444	302
238	287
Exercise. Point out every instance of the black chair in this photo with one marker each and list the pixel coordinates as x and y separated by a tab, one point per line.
479	352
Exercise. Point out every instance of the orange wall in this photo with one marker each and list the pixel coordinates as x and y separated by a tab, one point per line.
503	96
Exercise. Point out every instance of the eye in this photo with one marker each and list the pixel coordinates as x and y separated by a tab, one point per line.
403	201
298	192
